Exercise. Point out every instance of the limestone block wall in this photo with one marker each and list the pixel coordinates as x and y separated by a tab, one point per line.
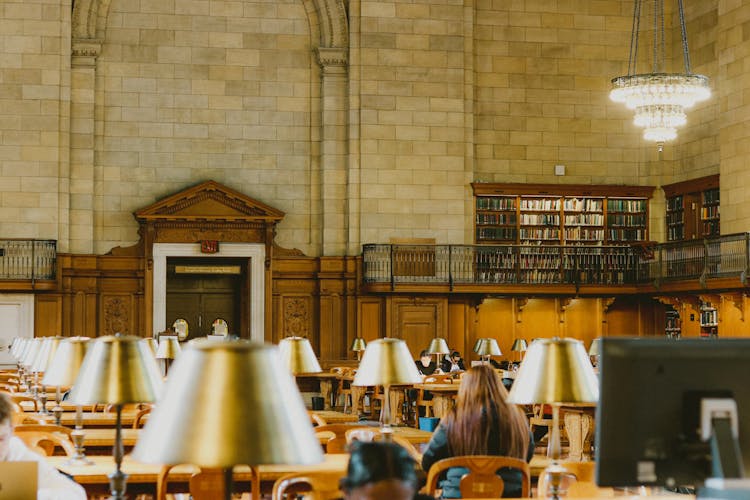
198	90
34	117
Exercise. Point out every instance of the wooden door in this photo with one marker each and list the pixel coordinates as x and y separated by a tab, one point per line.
201	297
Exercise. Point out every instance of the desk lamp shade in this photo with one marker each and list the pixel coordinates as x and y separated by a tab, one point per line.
298	355
29	354
488	347
67	361
477	344
45	354
519	345
555	371
595	347
152	344
169	347
438	345
387	361
117	369
358	344
229	403
18	347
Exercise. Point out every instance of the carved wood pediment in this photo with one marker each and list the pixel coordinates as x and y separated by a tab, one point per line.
209	201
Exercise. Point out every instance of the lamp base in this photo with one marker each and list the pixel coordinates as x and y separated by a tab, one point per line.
556	477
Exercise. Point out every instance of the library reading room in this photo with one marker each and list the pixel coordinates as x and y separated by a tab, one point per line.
374	249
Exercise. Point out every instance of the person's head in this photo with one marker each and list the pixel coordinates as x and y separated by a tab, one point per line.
6	425
379	470
456	356
481	405
425	357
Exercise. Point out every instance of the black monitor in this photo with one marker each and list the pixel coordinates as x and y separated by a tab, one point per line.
648	418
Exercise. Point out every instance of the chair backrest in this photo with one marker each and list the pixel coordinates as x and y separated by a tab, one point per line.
482	480
579	482
19	398
140	418
317	420
44	438
336	436
317	485
205	484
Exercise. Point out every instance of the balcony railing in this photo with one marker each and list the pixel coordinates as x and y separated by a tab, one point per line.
28	259
723	256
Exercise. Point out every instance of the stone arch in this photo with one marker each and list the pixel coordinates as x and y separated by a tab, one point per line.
334	29
89	18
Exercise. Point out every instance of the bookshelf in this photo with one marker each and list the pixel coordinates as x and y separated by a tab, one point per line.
709	320
560	214
692	209
673	323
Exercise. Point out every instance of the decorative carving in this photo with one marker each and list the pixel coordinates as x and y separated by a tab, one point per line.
286	252
116	316
520	304
296	315
334	28
606	304
738	300
329	58
564	302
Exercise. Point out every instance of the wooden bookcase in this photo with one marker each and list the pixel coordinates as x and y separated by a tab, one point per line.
560	214
693	209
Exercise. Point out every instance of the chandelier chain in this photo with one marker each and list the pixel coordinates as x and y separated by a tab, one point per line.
683	34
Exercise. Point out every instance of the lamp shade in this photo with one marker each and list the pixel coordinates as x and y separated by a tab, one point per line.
153	346
594	348
228	403
519	345
169	347
64	367
28	355
298	355
387	361
45	354
438	345
117	369
358	344
555	371
477	344
489	347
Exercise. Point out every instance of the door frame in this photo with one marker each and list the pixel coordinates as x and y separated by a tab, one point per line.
255	252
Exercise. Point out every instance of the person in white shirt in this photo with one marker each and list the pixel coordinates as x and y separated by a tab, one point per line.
51	484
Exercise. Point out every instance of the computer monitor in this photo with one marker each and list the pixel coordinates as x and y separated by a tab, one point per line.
648	415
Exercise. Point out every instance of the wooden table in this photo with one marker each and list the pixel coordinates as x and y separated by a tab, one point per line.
142	477
98	419
443	397
336	417
100	440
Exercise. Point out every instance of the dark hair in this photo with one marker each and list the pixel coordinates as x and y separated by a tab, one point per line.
424	353
6	408
455	354
371	462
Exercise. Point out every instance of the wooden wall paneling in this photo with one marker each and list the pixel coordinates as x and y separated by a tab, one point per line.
732	315
336	279
583	319
116	315
540	319
47	315
461	326
370	318
418	320
496	319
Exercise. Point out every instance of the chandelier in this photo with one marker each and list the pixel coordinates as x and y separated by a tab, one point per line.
659	99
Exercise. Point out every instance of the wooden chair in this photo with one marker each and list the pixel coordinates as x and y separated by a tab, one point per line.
579	483
482	480
316	485
317	420
19	398
44	439
140	418
336	436
206	484
345	375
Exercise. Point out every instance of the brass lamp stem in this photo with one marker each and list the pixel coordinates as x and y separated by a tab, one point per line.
78	436
117	480
57	410
385	418
43	401
555	471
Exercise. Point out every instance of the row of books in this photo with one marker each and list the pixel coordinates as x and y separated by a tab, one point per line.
626	220
584	220
496	203
541	233
614	205
711	197
496	233
548	204
540	219
582	233
626	234
710	212
583	204
485	218
674	203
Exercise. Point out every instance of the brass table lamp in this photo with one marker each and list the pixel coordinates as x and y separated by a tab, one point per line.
594	350
298	355
387	362
27	359
229	403
488	347
555	371
117	370
152	344
39	366
168	350
62	372
438	346
358	346
520	346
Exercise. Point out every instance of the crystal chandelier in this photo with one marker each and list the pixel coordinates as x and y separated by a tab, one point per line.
659	99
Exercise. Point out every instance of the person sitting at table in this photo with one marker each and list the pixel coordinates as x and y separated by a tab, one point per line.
426	365
482	423
51	484
379	470
453	364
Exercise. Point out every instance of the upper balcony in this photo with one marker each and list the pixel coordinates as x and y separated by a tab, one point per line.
28	264
716	263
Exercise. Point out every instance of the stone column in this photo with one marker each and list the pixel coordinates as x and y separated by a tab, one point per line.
333	150
82	126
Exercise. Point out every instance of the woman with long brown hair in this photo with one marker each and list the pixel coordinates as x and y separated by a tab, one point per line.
482	423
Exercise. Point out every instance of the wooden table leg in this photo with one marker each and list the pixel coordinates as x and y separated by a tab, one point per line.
326	388
577	425
441	404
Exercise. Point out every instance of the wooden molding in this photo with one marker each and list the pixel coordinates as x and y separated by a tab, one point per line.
490	188
520	303
738	300
691	186
606	303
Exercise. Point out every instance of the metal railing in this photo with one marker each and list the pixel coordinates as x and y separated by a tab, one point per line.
723	256
28	259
